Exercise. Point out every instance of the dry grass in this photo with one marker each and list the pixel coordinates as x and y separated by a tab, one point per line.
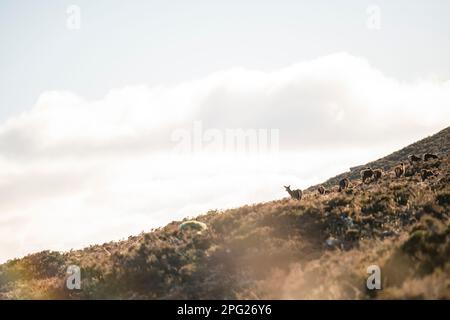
318	247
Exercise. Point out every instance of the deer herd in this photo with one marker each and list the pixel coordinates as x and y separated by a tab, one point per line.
369	175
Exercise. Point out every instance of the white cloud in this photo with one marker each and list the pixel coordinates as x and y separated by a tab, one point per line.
76	172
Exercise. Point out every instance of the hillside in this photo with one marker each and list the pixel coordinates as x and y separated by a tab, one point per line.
437	144
319	247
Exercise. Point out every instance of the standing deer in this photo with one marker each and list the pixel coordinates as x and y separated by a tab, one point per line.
343	184
428	156
295	194
377	173
399	170
413	158
321	190
425	174
366	174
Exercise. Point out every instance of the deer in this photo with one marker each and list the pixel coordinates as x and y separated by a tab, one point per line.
321	190
295	194
377	173
425	174
343	184
428	156
413	158
399	170
366	174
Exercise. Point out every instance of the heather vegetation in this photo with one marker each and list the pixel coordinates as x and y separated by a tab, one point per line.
316	247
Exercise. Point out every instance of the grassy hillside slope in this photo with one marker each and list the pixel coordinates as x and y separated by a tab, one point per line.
437	144
319	247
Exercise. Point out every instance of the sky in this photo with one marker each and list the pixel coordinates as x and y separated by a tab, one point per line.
118	117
